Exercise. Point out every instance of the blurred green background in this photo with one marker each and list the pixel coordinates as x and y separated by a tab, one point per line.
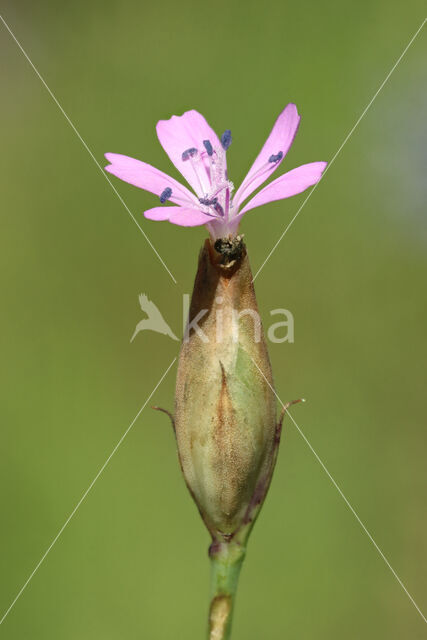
132	562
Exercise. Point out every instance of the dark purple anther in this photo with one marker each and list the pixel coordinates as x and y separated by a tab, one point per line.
190	153
277	157
165	195
226	139
219	209
207	202
208	147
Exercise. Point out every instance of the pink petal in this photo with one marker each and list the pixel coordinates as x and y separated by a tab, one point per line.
289	184
178	215
158	213
180	133
280	140
143	175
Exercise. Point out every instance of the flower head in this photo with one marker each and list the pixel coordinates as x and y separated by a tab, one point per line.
200	156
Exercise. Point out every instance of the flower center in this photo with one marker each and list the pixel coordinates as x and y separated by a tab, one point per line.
210	169
214	189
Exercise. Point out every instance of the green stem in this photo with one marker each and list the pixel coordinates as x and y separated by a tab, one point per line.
226	562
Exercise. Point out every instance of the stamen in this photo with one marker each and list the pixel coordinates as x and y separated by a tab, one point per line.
219	209
165	195
208	202
208	146
276	158
226	139
264	169
189	153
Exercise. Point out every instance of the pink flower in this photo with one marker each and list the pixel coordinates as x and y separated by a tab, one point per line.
198	153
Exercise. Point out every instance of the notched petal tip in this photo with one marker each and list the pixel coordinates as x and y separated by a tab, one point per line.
110	157
181	133
191	113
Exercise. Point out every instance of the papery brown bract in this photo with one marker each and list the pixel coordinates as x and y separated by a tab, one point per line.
225	411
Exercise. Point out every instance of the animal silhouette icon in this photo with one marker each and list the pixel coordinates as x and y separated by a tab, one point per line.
155	320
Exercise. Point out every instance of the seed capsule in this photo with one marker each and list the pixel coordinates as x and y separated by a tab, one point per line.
225	410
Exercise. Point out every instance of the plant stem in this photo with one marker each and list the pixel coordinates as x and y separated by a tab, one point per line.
226	562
